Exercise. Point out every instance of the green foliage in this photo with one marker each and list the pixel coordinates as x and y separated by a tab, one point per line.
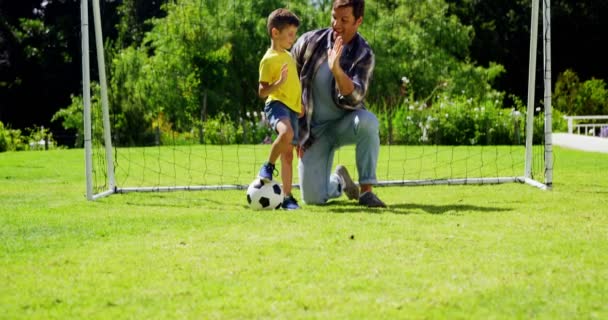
10	139
457	121
574	97
460	121
130	96
72	116
132	25
421	42
221	130
40	138
201	60
36	138
254	128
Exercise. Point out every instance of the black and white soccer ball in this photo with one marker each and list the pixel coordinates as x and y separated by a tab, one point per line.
263	194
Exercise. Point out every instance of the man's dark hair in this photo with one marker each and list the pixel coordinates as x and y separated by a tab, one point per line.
357	5
281	18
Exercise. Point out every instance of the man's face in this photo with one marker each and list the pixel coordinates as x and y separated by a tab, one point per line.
344	23
286	37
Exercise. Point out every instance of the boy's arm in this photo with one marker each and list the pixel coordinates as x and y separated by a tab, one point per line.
265	88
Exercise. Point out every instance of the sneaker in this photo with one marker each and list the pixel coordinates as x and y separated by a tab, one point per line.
348	186
369	199
266	171
290	203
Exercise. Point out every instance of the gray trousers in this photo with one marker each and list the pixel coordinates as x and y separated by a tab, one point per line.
317	182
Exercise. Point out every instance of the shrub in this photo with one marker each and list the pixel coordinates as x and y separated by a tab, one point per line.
11	139
458	121
220	130
40	138
574	97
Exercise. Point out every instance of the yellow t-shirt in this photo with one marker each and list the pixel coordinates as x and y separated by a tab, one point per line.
290	92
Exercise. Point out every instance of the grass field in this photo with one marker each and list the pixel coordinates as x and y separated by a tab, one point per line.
443	252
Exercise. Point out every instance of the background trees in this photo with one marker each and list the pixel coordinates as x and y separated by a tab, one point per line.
180	61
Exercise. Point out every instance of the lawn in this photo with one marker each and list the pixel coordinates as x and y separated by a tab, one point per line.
507	251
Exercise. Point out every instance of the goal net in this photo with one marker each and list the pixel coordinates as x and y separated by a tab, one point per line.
178	110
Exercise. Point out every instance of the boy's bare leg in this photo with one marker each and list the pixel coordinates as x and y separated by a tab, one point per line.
287	171
283	141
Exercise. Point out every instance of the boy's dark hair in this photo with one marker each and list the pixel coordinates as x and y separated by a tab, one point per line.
281	18
358	6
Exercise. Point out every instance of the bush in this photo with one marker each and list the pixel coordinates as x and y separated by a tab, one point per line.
11	139
220	130
459	121
574	97
254	128
40	138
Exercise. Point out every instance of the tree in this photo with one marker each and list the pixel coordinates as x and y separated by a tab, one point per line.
502	35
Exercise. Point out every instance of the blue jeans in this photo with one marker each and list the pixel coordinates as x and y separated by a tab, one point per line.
277	110
359	127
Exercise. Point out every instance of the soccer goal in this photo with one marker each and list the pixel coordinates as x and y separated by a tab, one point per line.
189	140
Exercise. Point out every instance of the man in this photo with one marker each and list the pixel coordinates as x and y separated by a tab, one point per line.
335	66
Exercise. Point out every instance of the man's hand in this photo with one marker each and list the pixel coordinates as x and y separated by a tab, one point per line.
345	84
333	55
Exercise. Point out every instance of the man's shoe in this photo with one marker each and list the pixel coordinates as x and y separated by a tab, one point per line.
370	200
290	203
266	171
348	186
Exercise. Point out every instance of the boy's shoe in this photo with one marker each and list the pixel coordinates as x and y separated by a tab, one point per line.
348	187
290	203
266	171
370	200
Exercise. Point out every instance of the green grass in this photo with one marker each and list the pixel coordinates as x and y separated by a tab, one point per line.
445	252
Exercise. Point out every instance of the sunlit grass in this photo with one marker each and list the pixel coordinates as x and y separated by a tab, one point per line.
469	252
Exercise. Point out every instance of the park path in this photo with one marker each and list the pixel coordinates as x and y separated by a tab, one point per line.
581	142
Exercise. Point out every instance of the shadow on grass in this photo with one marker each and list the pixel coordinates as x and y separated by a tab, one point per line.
334	206
411	208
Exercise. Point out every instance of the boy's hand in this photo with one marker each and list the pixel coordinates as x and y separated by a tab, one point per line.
302	112
283	75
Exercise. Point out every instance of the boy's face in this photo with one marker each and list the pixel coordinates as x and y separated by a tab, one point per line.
344	23
285	38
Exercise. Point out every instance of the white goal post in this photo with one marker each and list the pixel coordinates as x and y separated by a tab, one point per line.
109	157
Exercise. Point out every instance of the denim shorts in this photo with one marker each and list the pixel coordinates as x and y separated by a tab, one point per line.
277	110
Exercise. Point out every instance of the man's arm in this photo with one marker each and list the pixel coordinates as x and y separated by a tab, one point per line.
362	74
351	89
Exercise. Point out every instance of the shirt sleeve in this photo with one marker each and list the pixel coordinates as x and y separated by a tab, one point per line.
266	71
360	74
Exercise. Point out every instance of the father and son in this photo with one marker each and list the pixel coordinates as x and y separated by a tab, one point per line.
314	101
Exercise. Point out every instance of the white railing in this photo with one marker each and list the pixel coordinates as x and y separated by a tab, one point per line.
588	129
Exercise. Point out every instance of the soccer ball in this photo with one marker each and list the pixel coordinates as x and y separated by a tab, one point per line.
264	194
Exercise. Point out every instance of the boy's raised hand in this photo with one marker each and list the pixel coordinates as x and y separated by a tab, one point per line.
283	75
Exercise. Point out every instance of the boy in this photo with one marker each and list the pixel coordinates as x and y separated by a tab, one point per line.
280	85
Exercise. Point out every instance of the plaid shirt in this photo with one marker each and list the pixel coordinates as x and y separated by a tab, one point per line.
357	61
